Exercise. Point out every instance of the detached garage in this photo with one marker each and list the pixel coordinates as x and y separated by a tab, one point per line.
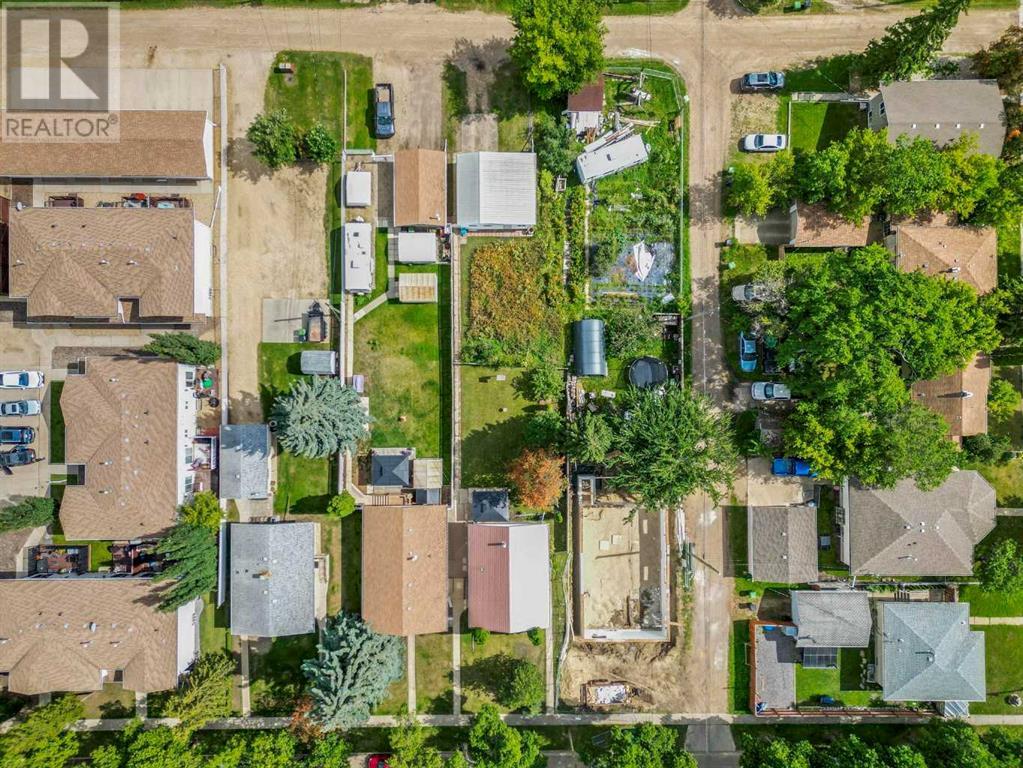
496	190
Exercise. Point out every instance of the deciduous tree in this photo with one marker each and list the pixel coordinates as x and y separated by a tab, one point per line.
205	694
629	326
558	44
953	742
183	347
41	739
410	747
319	145
545	429
190	553
1000	566
1003	61
274	138
537	478
555	144
495	744
775	753
1002	400
523	688
319	417
30	512
669	444
643	746
202	510
351	672
341	505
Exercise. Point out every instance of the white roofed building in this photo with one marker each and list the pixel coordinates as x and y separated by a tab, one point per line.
607	156
358	257
417	248
496	190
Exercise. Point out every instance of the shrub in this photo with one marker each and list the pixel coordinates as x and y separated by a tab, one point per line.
544	382
341	506
319	145
988	448
183	347
274	138
1002	400
479	635
555	144
535	636
629	326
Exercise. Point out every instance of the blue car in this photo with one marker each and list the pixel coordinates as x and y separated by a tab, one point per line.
747	352
17	435
788	467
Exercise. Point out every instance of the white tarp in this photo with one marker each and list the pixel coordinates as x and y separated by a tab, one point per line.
612	693
358	189
642	260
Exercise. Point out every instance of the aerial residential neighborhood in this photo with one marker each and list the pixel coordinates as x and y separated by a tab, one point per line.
511	383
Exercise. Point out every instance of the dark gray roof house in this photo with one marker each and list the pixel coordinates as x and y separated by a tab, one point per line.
942	111
832	618
244	469
588	347
490	505
273	578
927	652
903	531
391	469
783	544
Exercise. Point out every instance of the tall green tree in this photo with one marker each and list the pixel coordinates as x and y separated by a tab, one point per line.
558	44
590	438
319	417
999	566
908	45
410	746
671	444
274	138
330	751
202	510
183	347
319	145
555	144
953	742
190	555
351	672
775	753
1002	400
30	512
42	738
495	744
206	693
523	688
643	746
272	749
1003	61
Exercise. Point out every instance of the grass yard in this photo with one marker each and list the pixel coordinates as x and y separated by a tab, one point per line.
1007	480
829	75
738	668
395	701
816	125
275	673
1008	255
351	563
1004	673
314	93
214	622
738	264
56	423
494	416
434	695
398	349
482	672
996	603
842	684
380	275
330	543
99	551
112	701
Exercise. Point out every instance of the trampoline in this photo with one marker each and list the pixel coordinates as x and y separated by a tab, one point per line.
647	372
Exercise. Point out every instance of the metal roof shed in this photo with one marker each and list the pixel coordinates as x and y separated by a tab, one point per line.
318	362
417	248
244	461
496	190
605	159
509	576
590	359
358	257
358	189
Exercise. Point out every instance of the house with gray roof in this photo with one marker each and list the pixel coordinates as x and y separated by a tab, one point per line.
832	618
904	531
927	652
782	544
273	573
244	470
942	111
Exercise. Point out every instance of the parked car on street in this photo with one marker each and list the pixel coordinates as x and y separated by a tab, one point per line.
747	352
16	457
17	435
21	379
383	110
763	81
377	761
768	390
765	142
789	467
750	292
21	408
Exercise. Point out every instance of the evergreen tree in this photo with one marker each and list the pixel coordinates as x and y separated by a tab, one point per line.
558	44
590	438
183	347
908	45
42	738
351	673
27	513
319	417
190	553
206	693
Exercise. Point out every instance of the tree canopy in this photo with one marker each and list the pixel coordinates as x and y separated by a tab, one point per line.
206	693
908	45
320	416
1003	60
30	512
644	746
351	672
495	744
670	444
1000	566
558	44
190	553
274	138
202	510
183	347
41	739
537	478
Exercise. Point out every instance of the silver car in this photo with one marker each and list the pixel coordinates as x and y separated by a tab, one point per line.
21	408
768	390
765	142
750	292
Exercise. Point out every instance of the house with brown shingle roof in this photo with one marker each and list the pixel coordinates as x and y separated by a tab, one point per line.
814	226
77	634
420	188
959	398
405	569
115	265
157	144
509	576
130	425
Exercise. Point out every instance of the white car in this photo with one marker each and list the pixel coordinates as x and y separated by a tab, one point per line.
768	390
21	408
750	292
21	380
765	142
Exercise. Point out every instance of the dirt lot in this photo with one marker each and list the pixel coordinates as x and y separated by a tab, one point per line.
752	113
418	119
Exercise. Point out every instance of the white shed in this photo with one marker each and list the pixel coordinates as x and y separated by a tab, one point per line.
496	190
358	257
417	247
358	189
604	158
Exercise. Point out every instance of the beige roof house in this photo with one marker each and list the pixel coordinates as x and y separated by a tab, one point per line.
959	398
813	226
405	569
420	188
112	264
150	144
127	421
782	544
77	634
936	247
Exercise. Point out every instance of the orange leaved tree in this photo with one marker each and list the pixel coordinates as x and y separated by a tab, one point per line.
536	475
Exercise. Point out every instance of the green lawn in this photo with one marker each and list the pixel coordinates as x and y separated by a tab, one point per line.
816	125
829	75
738	668
996	603
395	701
398	349
1008	254
56	423
315	92
99	551
112	701
842	683
351	563
482	671
276	679
738	264
1004	673
433	674
380	276
1007	480
494	416
214	631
